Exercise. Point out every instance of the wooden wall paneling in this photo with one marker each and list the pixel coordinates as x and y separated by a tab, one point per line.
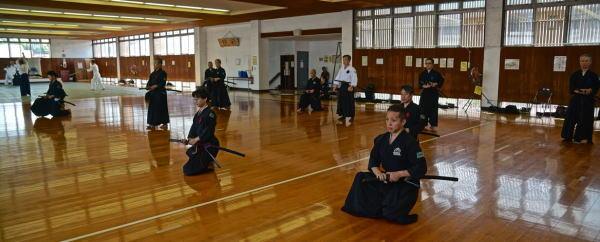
393	73
180	71
107	66
536	71
47	64
135	67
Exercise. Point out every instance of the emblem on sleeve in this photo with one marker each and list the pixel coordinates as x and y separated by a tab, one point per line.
420	155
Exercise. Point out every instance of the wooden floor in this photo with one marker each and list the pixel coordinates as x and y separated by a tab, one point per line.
101	176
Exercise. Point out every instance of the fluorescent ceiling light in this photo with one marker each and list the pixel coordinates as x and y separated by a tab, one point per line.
160	4
105	16
68	25
111	27
128	17
13	22
79	14
156	19
127	1
189	7
43	24
44	11
15	9
216	9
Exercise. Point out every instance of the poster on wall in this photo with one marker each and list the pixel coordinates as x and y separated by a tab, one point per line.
560	63
408	61
365	60
379	61
464	65
442	62
418	62
450	63
79	65
436	61
511	64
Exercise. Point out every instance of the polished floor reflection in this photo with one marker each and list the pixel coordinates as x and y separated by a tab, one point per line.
100	175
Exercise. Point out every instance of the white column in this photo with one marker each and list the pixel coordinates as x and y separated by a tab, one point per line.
200	55
491	52
256	47
347	29
151	52
118	50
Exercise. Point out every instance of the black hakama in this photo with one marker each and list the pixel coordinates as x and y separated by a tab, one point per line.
430	96
219	93
393	200
158	110
203	126
209	73
43	106
345	104
24	85
313	99
415	121
580	113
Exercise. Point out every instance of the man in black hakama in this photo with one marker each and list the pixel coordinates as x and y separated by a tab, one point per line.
158	110
220	94
395	162
583	86
53	102
324	83
415	121
430	81
209	74
311	95
346	80
202	137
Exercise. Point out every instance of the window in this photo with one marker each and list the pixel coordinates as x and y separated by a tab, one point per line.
424	29
402	10
473	29
403	32
544	23
519	27
448	6
136	45
385	11
105	48
17	47
178	42
425	8
549	26
447	24
364	38
449	30
383	33
585	24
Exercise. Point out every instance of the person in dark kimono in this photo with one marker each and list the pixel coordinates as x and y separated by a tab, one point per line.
53	102
158	110
201	136
220	95
415	121
209	73
346	80
396	164
324	83
23	76
583	86
311	95
430	81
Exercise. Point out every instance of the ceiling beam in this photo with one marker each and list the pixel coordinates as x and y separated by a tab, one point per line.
60	18
86	7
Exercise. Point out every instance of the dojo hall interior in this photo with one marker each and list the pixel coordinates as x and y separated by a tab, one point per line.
100	175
